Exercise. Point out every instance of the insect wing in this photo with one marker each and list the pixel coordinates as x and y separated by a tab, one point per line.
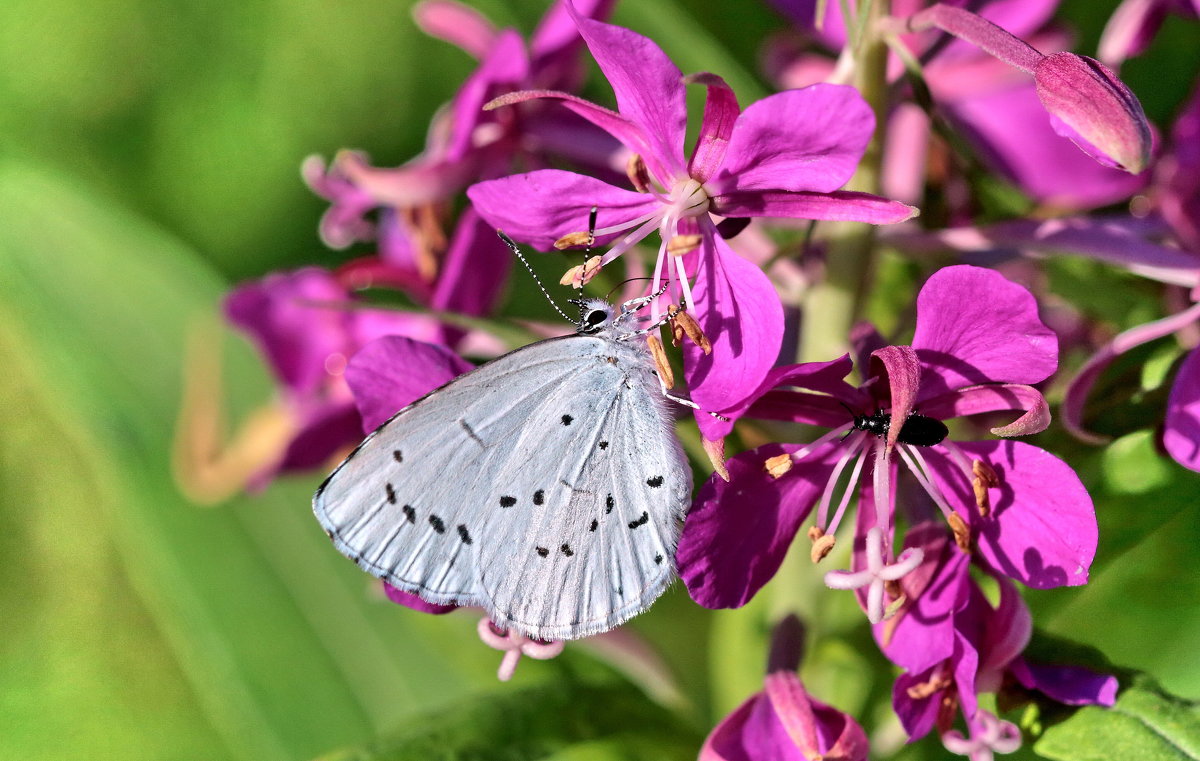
596	543
412	504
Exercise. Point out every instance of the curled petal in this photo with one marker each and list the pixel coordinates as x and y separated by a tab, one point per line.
903	383
739	531
420	182
1182	433
993	397
1041	529
975	326
797	140
720	112
840	205
540	207
740	313
394	371
1081	384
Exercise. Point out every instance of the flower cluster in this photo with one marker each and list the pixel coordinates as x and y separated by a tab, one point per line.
901	461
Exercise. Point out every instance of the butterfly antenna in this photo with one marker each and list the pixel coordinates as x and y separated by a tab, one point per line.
516	250
591	240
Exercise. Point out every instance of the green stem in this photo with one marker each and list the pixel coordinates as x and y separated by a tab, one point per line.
832	306
836	303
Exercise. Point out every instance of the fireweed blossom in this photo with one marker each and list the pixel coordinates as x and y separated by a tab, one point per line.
978	345
465	143
955	646
1134	24
1162	245
784	156
994	107
783	721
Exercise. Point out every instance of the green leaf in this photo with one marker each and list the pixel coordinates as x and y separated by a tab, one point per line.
1145	724
562	721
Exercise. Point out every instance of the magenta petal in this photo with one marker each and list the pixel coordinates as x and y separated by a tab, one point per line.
393	372
327	429
409	600
1041	536
540	207
649	90
923	633
994	397
740	313
974	326
1181	435
720	114
552	46
1092	107
841	205
474	270
811	375
1068	685
739	531
916	714
903	383
1007	633
294	319
810	140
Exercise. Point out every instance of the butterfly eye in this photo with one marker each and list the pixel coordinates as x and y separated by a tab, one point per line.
595	317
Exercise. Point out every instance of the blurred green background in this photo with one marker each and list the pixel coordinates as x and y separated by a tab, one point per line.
149	158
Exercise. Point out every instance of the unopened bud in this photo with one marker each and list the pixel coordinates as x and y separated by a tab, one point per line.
1092	107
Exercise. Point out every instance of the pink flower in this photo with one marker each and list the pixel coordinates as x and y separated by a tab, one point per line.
1135	22
954	646
993	106
301	324
784	156
784	721
978	345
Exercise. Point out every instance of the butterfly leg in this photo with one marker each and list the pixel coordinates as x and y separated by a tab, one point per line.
633	305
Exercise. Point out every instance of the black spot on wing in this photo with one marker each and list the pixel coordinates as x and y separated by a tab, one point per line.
654	482
410	513
595	525
657	559
463	534
397	456
539	497
567	419
542	551
566	550
437	524
508	501
391	494
609	502
640	521
604	445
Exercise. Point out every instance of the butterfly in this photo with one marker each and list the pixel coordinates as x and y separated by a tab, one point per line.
546	486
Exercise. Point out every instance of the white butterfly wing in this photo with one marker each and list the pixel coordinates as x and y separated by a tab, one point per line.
446	497
601	548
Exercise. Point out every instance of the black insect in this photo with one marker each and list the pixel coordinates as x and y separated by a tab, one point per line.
918	430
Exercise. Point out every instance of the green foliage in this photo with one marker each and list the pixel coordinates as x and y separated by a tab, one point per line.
1145	724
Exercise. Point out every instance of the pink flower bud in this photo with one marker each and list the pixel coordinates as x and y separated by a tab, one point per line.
1094	109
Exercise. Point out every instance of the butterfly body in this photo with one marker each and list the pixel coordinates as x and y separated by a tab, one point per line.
546	486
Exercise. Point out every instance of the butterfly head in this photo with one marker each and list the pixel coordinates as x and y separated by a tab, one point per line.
594	315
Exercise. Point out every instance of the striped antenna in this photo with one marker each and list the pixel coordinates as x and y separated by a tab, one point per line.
512	244
595	210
